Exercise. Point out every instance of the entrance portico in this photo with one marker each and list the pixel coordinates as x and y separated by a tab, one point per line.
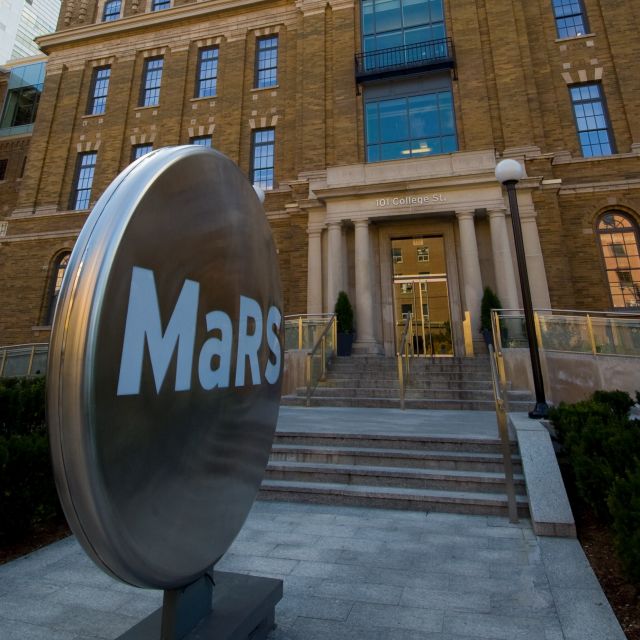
358	212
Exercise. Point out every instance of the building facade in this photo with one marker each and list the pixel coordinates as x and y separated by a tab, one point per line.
375	127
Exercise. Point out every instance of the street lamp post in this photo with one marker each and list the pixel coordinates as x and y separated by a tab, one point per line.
509	172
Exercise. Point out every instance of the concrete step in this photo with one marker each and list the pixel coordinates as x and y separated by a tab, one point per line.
394	403
479	503
488	460
403	477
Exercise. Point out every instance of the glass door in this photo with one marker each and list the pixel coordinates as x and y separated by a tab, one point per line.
420	289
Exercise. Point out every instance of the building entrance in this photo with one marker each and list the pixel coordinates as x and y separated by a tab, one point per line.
420	288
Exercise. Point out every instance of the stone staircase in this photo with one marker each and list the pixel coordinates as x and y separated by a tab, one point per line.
455	475
434	383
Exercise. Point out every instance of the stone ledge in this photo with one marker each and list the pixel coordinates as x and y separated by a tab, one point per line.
548	503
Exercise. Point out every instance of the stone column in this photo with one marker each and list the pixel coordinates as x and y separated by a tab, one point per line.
314	271
364	298
470	267
535	262
503	264
334	264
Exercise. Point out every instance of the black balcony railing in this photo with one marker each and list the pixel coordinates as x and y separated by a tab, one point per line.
423	56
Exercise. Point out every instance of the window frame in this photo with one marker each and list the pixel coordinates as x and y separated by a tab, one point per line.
583	18
258	70
111	16
199	79
634	232
144	90
4	164
605	113
254	147
73	200
91	103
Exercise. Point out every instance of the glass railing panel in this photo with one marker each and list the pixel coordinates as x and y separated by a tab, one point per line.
565	333
617	336
513	333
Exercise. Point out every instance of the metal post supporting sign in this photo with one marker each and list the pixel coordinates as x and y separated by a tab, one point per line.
164	381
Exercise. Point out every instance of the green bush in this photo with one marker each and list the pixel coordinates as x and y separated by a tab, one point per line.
624	504
489	301
22	405
27	489
344	313
603	447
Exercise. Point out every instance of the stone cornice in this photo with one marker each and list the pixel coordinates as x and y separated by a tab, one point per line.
167	17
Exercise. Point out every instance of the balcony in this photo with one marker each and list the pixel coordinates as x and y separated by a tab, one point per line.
432	55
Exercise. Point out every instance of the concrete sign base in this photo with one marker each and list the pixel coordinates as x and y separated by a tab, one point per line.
243	608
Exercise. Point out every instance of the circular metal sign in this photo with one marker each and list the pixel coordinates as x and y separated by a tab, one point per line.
165	367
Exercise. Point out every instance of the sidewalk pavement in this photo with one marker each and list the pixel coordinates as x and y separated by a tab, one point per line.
349	573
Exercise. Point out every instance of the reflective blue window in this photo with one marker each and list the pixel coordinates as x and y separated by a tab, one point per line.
99	90
266	62
202	141
151	80
592	121
262	158
570	18
139	150
158	5
112	10
395	23
207	72
410	126
85	168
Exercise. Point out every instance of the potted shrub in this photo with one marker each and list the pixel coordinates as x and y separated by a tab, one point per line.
344	319
489	301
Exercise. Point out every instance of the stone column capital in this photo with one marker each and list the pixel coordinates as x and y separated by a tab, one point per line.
465	214
497	212
315	230
363	222
334	223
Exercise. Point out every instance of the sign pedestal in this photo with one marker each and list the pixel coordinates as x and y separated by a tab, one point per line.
242	607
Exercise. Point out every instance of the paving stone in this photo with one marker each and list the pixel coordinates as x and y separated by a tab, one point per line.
566	564
416	578
493	627
257	565
23	631
316	607
304	552
446	600
380	615
361	592
326	570
356	544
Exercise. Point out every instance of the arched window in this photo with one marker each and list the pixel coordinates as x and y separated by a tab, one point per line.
618	237
57	273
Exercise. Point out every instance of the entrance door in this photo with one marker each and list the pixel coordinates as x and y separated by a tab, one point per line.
420	288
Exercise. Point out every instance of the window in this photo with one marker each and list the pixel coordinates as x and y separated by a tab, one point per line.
570	18
262	158
3	168
57	274
618	238
98	91
202	141
85	168
207	72
425	309
266	62
423	254
151	80
23	95
406	287
158	5
400	23
406	309
139	150
396	253
111	10
592	120
410	126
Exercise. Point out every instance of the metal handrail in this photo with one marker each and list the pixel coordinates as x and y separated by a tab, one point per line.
404	351
29	349
321	344
500	396
298	322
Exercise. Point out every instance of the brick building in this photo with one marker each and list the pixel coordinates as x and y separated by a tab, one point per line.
375	127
